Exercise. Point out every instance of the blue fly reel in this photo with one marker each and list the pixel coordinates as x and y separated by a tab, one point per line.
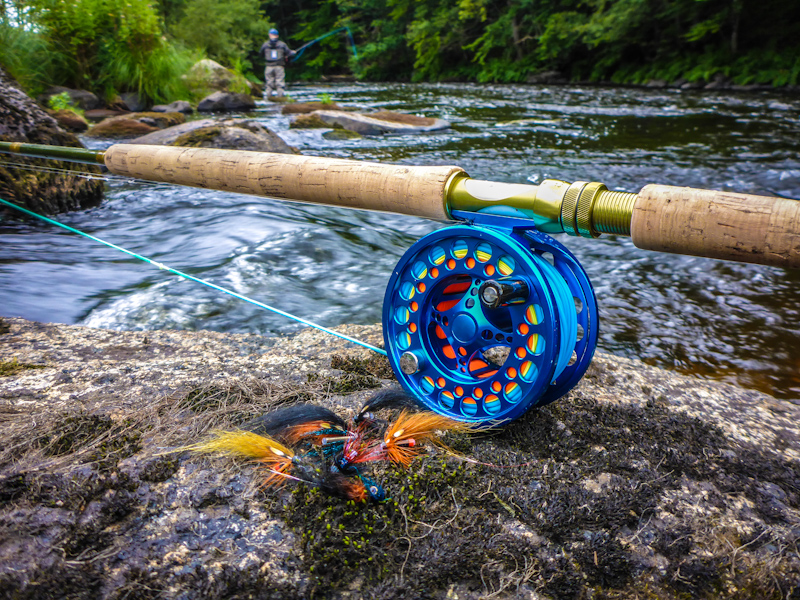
480	325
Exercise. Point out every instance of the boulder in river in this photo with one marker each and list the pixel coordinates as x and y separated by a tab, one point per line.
308	121
135	124
226	101
69	120
378	123
233	134
640	483
181	106
45	192
301	108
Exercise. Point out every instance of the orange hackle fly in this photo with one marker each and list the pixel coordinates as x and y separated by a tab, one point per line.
245	444
405	437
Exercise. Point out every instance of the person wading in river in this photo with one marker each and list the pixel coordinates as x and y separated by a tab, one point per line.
276	53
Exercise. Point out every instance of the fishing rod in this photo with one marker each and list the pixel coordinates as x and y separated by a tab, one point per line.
491	316
302	48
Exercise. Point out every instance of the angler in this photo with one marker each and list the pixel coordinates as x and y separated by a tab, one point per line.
491	316
276	53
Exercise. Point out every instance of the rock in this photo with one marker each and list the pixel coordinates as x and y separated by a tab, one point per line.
297	108
99	114
133	102
640	483
207	76
120	127
338	134
69	120
310	121
226	101
249	136
168	136
238	134
181	106
693	85
381	122
135	124
656	84
547	77
775	105
720	82
83	99
44	192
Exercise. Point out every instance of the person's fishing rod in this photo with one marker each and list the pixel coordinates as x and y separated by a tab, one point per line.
302	48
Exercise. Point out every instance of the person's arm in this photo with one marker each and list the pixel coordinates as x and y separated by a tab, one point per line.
288	50
261	53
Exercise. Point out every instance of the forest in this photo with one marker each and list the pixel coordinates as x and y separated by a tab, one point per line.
111	46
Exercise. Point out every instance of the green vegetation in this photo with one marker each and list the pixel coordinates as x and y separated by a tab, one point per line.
14	367
112	46
105	46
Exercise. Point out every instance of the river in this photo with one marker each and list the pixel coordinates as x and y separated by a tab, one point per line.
719	320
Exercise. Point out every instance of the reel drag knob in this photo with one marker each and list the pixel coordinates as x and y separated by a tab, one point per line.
494	294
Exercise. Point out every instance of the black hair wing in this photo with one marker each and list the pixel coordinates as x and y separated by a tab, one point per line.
273	423
395	398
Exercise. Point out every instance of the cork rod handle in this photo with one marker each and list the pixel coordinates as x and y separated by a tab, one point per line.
409	190
729	226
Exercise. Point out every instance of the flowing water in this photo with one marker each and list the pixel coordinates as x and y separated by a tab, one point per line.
721	320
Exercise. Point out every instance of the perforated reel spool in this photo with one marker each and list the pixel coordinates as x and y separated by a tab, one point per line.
472	362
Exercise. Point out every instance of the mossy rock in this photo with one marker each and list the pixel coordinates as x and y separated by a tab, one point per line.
198	138
245	135
120	127
135	124
69	120
162	120
48	191
338	134
308	121
302	108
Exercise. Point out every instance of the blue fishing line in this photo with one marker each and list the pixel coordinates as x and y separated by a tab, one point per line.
196	279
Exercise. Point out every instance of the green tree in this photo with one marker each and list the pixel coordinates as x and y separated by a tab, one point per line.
229	31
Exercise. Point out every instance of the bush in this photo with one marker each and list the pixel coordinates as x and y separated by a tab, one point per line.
107	46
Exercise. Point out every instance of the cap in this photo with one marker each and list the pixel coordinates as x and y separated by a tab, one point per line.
273	30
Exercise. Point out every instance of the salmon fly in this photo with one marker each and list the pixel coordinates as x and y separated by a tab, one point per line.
312	444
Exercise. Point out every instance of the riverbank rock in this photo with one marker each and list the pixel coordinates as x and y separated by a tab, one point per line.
226	101
380	123
232	134
44	192
181	106
640	483
83	99
135	124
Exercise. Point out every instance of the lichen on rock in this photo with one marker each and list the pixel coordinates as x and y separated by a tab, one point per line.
640	483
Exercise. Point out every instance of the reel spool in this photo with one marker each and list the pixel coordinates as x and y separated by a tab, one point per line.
480	326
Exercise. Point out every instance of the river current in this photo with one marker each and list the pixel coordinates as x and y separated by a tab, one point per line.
719	320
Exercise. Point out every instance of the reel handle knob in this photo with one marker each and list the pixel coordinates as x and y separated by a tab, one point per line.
495	293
